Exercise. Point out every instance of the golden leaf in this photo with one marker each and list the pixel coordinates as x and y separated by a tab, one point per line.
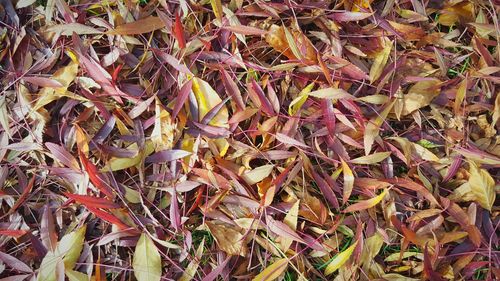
482	186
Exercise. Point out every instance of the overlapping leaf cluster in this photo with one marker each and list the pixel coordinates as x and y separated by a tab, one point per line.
254	140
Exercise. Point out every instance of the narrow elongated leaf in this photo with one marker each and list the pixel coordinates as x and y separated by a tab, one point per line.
144	25
331	93
167	156
348	181
367	203
273	271
371	159
340	259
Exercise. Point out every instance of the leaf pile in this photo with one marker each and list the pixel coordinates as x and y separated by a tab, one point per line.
249	140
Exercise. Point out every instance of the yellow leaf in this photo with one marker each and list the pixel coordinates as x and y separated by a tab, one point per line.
348	181
297	103
276	38
67	251
362	205
207	99
374	99
117	164
144	25
340	259
147	260
421	94
396	256
452	14
482	186
331	93
217	8
371	159
424	153
373	127
357	4
290	220
460	96
65	76
371	248
256	175
273	271
380	61
163	132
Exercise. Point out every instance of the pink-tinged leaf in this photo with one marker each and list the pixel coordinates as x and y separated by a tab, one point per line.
26	191
43	82
48	233
105	130
413	186
281	229
16	233
175	217
214	273
181	98
290	141
349	69
14	263
102	77
232	89
350	16
326	190
63	156
167	156
328	116
186	186
453	169
245	30
214	111
92	201
171	60
479	156
259	98
213	131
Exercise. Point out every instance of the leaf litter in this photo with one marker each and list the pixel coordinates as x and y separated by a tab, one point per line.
249	140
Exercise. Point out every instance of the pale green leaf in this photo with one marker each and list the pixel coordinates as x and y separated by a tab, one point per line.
147	260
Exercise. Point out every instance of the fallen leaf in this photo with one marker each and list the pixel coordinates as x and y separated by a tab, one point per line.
147	261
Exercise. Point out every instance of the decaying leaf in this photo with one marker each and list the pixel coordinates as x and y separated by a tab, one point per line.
229	240
266	140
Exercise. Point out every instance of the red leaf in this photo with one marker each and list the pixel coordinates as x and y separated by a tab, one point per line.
92	201
179	31
108	217
95	176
